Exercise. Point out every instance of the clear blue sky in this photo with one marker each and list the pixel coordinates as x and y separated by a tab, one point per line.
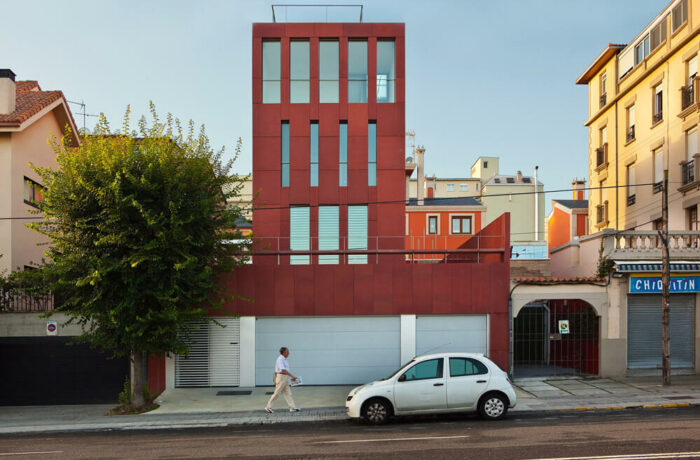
485	77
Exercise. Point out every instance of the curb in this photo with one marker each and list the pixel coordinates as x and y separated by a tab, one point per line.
619	408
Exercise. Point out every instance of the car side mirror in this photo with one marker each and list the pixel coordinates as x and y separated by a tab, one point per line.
402	378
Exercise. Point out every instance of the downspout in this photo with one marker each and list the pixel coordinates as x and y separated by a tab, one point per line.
537	220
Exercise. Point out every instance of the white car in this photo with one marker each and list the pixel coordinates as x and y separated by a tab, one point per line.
437	383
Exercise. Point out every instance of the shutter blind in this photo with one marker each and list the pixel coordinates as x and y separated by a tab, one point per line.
299	234
357	233
328	233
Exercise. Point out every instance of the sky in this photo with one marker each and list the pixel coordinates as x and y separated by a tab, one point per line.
489	78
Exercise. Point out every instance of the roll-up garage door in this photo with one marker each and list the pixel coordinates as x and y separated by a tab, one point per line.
644	331
329	350
214	359
446	333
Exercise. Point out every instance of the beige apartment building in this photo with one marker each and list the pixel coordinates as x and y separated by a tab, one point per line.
643	101
28	118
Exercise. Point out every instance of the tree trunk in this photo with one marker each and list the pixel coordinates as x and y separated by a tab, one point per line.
137	379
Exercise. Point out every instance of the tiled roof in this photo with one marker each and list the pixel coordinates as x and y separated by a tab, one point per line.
30	100
573	204
555	280
457	201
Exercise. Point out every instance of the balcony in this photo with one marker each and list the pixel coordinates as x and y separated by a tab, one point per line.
689	98
601	157
647	245
690	174
603	100
630	133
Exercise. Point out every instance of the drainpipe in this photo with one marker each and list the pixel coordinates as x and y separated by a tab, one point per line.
420	186
537	220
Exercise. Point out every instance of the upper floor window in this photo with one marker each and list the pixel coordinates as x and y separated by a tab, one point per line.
679	15
343	155
313	154
432	225
386	71
285	154
328	233
658	169
299	233
658	104
372	153
641	50
357	233
603	89
450	187
658	34
328	71
691	144
692	69
693	223
299	71
33	192
357	71
631	182
630	123
463	187
271	67
461	225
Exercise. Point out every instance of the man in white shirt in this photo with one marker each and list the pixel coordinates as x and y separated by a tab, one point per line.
282	376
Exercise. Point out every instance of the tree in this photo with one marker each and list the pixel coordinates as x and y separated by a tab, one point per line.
140	234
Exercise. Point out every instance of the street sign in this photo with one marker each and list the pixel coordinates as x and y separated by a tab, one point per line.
564	326
51	328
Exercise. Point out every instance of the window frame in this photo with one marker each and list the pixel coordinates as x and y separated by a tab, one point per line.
475	364
462	216
657	104
352	76
34	186
372	142
343	153
284	154
323	67
305	82
441	371
428	218
683	8
278	80
390	80
450	187
313	153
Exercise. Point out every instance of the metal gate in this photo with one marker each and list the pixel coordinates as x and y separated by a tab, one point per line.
556	337
644	331
214	358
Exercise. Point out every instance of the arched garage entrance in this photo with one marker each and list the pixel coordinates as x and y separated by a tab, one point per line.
556	337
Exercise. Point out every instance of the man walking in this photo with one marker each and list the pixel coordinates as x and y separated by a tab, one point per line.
282	376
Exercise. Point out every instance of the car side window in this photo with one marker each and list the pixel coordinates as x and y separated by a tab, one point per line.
431	369
466	366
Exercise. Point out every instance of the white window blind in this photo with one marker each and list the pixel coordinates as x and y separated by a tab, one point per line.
658	166
692	68
691	143
299	234
328	233
357	233
630	117
631	181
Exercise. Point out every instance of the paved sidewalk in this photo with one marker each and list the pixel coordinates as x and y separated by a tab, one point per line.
203	408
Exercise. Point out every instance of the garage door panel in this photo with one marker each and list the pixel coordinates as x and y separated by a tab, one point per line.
445	333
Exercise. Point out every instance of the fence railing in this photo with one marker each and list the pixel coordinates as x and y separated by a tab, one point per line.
641	244
13	301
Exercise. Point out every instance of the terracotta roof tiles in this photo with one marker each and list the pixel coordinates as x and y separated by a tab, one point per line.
30	100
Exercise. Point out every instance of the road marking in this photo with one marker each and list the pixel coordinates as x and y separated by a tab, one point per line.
7	454
422	438
634	456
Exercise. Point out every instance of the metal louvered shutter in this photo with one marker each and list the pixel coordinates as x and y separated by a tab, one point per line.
328	233
357	233
644	331
192	370
299	234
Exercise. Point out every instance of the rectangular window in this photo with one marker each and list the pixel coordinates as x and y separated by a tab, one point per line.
33	192
603	89
357	233
461	225
658	34
285	154
271	71
299	71
631	181
641	50
328	233
693	223
463	187
386	71
328	71
450	187
658	169
658	104
691	144
313	154
357	71
692	69
630	123
679	15
372	154
343	157
299	233
432	225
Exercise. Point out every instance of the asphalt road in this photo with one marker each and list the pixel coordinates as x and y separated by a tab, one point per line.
657	434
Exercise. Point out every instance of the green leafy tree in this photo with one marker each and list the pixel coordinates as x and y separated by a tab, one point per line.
140	234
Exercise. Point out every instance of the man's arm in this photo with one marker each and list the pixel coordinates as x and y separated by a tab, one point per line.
286	372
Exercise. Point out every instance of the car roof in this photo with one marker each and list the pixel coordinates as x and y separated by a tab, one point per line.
456	354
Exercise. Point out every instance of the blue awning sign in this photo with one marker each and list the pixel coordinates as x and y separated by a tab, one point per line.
646	284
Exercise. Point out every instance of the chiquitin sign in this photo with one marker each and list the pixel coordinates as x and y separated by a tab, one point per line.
645	284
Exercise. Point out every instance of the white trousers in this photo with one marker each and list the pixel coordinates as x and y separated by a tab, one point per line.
281	387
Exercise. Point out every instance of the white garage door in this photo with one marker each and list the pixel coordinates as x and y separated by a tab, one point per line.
446	333
329	350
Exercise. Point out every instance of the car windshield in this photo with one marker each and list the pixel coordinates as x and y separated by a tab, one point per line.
398	370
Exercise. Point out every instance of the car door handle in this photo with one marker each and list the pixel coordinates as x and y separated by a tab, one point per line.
234	343
438	384
481	381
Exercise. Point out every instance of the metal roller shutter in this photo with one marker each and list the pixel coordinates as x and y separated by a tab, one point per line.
644	331
446	333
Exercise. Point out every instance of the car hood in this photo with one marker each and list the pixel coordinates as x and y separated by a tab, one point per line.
376	383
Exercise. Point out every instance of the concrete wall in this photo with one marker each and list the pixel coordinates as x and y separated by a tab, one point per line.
525	268
520	207
32	325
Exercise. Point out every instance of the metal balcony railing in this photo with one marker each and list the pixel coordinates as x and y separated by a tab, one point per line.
601	155
687	96
658	116
630	133
601	213
12	301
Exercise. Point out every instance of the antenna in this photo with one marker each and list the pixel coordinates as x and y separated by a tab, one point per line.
83	113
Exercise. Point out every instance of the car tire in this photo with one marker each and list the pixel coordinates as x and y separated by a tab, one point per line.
376	411
493	406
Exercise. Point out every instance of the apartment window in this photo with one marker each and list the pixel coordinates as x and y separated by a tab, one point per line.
372	153
313	154
693	223
343	156
641	50
386	71
630	123
450	187
328	233
463	187
658	104
692	69
658	170
357	233
688	91
602	151
603	89
486	164
601	208
271	70
357	71
299	71
658	34
299	233
432	225
631	182
33	192
328	71
679	15
691	144
285	154
461	225
477	186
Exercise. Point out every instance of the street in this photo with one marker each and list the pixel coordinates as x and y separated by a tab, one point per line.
624	434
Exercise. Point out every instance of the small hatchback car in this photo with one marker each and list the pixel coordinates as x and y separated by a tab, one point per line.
437	383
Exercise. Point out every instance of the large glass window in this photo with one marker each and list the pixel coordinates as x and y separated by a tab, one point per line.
299	71
343	155
357	71
641	50
313	153
328	71
271	66
431	369
285	154
372	154
466	366
357	233
328	233
299	234
386	71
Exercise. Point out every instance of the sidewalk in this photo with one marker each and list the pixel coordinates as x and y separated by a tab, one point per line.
203	408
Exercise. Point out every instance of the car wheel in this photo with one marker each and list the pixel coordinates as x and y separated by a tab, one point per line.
376	411
493	407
